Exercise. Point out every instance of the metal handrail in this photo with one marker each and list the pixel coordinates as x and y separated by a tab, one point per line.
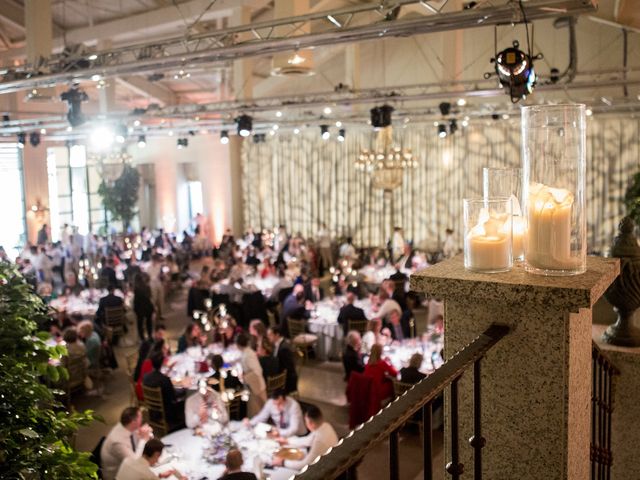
352	448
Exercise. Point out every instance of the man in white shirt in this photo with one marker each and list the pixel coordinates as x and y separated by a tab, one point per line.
347	250
321	438
204	406
125	440
139	468
284	412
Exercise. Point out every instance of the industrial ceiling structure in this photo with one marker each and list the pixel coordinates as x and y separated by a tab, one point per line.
159	66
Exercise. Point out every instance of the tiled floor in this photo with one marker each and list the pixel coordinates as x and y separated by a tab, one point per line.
320	383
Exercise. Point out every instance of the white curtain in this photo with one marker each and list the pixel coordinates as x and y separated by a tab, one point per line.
302	180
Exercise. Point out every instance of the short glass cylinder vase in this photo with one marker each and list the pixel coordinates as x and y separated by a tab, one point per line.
488	234
554	169
507	182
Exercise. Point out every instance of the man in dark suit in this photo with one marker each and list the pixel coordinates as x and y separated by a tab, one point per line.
145	347
293	307
351	358
282	351
108	274
412	373
173	403
109	300
312	291
350	312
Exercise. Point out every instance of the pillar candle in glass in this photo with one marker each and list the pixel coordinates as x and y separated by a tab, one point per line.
554	169
507	182
487	234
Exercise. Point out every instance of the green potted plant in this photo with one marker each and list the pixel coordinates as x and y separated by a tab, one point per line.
632	199
35	431
121	197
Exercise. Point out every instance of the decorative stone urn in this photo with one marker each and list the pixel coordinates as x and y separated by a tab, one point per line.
624	293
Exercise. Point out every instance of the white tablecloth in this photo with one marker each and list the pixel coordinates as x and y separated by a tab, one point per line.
429	346
184	452
85	304
186	365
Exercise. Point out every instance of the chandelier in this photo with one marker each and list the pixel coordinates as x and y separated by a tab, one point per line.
386	163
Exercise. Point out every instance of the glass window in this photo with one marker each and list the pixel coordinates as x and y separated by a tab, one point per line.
13	231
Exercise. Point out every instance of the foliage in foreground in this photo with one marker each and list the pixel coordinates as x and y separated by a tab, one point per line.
35	430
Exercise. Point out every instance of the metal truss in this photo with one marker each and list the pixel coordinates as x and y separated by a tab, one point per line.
365	22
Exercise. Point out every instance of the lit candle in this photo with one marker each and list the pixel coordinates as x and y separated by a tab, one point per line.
488	245
548	244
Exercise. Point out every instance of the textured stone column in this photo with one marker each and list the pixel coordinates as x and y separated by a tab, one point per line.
536	382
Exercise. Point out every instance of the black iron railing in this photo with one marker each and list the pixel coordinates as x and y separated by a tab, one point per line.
341	461
603	373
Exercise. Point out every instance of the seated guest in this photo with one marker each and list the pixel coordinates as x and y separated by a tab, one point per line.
395	326
233	470
283	283
394	286
204	406
92	343
312	291
381	372
286	361
192	337
350	312
284	412
75	348
269	363
109	300
373	335
227	332
125	440
231	382
294	307
252	375
146	366
352	358
321	438
385	306
159	333
412	373
173	405
139	468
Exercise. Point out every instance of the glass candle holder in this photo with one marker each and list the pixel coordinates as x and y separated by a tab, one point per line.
554	168
488	234
507	182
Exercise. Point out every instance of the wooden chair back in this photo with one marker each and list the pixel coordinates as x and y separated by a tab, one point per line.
357	325
132	361
296	327
276	382
400	387
155	406
114	318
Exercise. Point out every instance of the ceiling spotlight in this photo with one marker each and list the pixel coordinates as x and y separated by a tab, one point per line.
170	133
259	138
435	124
588	112
101	138
324	132
296	131
381	116
43	131
445	108
327	110
272	132
74	97
442	131
121	133
22	138
515	71
93	57
453	126
338	124
275	127
461	102
224	137
244	125
136	123
465	123
34	139
341	135
142	141
505	116
278	114
182	143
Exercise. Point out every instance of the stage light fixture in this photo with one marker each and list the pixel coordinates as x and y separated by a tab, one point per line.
327	110
515	71
121	133
182	143
445	108
244	125
22	138
74	97
224	137
461	102
34	139
101	138
341	135
142	141
453	126
442	130
324	132
381	116
296	131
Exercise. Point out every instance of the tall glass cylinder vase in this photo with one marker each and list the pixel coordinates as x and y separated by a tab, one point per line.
554	167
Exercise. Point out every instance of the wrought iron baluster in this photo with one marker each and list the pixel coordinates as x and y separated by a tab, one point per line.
394	464
477	441
427	440
611	373
455	468
600	420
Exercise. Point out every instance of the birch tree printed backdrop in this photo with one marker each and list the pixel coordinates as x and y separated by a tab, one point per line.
302	180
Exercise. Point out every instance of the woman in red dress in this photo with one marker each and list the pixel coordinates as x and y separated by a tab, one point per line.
381	373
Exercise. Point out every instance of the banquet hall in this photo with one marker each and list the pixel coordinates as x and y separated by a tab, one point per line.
319	239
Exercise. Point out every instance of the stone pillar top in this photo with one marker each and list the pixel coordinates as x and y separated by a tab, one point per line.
450	279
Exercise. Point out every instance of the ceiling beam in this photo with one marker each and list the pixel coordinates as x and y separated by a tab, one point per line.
13	14
132	26
148	89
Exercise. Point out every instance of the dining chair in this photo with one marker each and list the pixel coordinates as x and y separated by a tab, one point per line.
155	406
275	382
301	340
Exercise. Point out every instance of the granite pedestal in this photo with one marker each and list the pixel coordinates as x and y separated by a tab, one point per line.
536	382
